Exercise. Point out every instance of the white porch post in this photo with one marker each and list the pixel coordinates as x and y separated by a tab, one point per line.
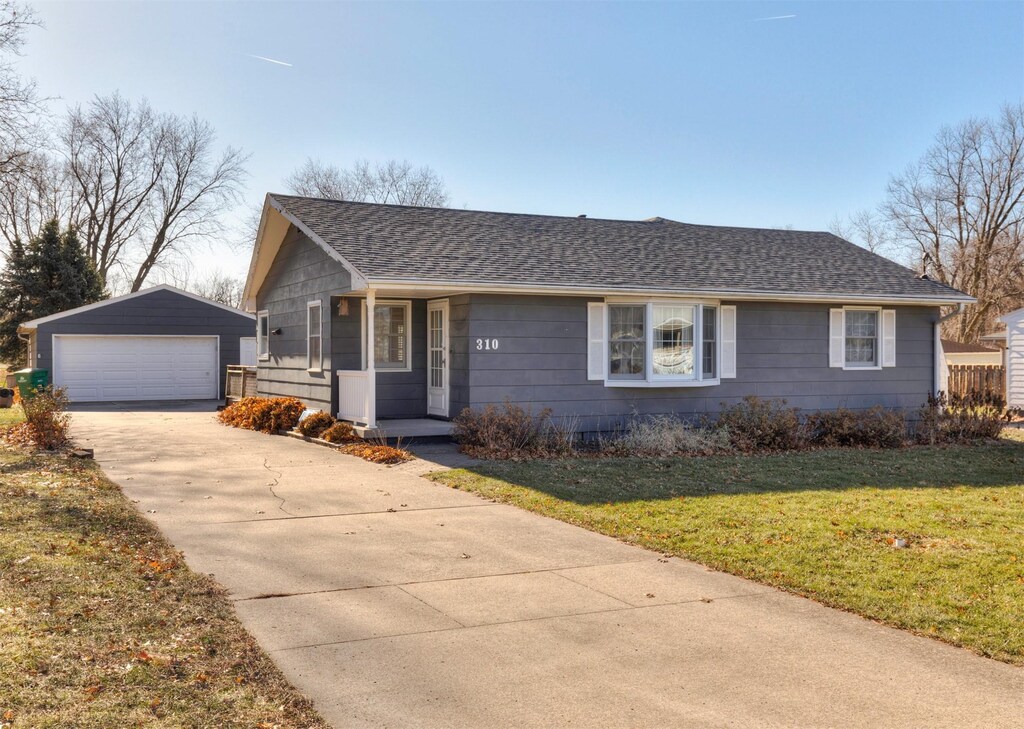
371	372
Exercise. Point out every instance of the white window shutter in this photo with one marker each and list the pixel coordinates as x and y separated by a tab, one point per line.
836	338
728	342
888	337
597	363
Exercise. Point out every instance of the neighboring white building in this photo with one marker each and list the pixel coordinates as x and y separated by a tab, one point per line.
970	354
1014	357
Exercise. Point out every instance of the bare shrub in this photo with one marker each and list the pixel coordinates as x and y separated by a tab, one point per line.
513	432
961	418
873	428
667	435
46	418
762	425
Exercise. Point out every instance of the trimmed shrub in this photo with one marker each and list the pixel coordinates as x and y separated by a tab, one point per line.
667	435
961	418
873	428
340	433
762	425
265	414
314	425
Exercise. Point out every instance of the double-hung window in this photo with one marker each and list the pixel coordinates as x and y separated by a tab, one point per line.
627	342
314	336
392	335
661	343
862	337
263	335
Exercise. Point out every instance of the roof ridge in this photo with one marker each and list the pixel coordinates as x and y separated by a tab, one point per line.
582	219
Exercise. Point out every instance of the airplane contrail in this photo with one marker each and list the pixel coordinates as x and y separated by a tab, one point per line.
774	17
269	60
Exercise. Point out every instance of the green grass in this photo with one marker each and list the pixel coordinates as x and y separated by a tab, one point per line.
817	524
11	416
103	625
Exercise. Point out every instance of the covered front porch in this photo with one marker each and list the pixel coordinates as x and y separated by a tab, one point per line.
394	375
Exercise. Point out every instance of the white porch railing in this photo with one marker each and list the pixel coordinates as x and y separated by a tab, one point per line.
354	396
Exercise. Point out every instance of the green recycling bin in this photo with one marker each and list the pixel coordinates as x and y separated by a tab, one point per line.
30	380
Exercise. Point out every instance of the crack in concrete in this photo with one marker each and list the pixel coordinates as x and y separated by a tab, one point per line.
410	583
585	613
292	517
277	481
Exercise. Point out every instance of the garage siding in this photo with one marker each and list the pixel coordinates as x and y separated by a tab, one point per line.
161	312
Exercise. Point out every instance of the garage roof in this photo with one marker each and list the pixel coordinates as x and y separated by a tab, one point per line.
30	325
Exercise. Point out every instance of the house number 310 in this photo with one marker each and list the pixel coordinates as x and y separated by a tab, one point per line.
486	345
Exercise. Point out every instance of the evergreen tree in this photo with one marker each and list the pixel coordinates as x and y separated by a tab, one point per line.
50	275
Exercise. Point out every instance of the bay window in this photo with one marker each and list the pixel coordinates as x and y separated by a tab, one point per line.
627	341
662	343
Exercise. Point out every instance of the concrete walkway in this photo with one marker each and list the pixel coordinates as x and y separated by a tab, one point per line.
392	601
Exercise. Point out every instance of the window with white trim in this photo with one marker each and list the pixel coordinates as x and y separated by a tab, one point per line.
314	336
392	335
861	333
263	335
666	343
862	338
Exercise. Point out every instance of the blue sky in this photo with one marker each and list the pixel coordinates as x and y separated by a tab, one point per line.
700	112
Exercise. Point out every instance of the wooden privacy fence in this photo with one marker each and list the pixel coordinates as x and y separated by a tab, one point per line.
987	379
241	382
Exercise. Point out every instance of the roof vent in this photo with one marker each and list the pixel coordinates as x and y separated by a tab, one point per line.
581	216
925	277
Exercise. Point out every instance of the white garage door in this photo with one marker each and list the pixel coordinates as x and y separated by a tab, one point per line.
100	369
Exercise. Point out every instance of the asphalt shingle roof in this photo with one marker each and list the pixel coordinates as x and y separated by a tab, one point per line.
471	247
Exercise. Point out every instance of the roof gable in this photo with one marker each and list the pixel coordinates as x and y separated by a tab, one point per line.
128	297
391	244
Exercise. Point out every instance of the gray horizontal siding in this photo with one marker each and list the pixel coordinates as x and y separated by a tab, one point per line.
782	352
301	272
158	313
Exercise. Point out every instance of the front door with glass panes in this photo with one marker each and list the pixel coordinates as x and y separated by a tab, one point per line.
437	358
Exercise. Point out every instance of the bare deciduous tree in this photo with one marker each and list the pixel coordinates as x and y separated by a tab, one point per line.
961	210
396	183
146	185
19	103
217	286
869	230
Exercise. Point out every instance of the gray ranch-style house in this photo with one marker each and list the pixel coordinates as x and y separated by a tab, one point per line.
377	312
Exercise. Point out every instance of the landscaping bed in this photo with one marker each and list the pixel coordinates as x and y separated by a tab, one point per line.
821	523
288	416
103	625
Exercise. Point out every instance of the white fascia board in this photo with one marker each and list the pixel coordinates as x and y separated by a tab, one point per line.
1012	317
254	279
724	294
126	297
358	280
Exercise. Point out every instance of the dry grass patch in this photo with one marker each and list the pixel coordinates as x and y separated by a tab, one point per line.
103	625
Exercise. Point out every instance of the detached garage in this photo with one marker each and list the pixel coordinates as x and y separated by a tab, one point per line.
158	344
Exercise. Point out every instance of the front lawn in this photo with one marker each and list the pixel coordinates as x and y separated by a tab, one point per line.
817	523
103	625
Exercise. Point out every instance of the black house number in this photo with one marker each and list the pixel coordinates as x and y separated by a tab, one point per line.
486	345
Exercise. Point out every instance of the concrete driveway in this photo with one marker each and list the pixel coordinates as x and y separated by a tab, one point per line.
393	601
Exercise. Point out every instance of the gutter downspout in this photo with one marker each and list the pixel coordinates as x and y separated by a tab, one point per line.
941	383
26	337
